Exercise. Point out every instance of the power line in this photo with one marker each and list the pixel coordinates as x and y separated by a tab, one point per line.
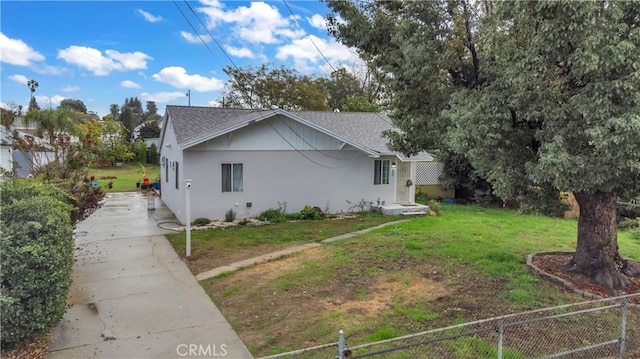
212	37
295	18
194	29
294	147
236	67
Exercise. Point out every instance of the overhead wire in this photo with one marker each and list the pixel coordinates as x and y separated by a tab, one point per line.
269	109
208	32
295	18
193	28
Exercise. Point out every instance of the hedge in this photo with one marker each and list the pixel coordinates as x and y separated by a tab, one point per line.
37	259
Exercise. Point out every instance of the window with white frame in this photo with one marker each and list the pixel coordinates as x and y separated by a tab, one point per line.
381	172
232	174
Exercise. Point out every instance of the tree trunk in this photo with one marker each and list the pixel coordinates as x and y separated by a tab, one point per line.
597	251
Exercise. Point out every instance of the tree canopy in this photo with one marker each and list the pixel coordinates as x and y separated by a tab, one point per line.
538	95
75	104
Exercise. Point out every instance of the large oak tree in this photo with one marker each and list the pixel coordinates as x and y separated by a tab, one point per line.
536	94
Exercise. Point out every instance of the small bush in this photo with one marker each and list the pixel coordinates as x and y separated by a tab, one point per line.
272	215
37	259
434	205
627	210
627	223
309	212
296	216
421	198
201	221
230	216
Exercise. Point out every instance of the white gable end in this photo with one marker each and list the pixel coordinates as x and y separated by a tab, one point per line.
274	134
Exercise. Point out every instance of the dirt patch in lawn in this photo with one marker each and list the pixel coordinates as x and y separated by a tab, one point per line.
203	261
556	264
385	291
302	300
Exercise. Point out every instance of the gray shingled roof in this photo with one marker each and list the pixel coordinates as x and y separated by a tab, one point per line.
193	125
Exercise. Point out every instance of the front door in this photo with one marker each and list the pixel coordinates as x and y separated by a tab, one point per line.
403	175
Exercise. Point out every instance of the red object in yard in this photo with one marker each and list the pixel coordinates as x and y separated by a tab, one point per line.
145	181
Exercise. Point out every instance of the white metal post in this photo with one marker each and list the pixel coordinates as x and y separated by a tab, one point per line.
187	212
340	344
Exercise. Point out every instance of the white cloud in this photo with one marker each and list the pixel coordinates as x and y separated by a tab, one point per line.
162	97
48	70
214	103
177	76
101	65
46	101
305	55
21	79
148	16
240	52
194	39
129	84
70	89
17	52
258	23
318	21
5	106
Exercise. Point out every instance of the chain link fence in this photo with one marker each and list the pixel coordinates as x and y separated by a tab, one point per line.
598	329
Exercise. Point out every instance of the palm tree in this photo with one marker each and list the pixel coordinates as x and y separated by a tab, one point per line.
33	85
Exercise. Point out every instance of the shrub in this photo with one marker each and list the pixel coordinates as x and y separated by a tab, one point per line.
86	199
201	221
629	224
434	205
153	154
37	258
230	216
296	216
309	212
627	210
273	215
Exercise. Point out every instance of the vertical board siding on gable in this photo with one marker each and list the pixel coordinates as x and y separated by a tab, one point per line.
275	134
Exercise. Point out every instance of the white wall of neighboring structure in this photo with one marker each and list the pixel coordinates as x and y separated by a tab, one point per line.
6	158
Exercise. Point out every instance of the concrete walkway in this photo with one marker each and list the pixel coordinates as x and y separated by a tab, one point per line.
285	252
132	296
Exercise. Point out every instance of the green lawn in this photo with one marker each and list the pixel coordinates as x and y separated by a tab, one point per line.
124	178
216	247
467	263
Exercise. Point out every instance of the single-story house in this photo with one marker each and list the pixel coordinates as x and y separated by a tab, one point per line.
252	160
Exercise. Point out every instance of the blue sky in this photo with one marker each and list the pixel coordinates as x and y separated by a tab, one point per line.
102	52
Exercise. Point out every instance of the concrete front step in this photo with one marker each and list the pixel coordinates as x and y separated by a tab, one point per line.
397	209
414	214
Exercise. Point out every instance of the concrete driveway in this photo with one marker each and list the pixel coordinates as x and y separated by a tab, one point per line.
132	297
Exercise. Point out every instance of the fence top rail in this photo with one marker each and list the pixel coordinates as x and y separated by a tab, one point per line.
619	299
300	351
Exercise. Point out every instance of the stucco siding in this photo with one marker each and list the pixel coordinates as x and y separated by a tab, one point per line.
170	155
272	177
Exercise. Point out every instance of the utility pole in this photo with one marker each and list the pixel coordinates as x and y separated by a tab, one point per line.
189	96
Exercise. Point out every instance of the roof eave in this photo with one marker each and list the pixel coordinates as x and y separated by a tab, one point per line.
274	112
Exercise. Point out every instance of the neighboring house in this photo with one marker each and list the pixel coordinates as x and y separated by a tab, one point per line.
254	160
16	161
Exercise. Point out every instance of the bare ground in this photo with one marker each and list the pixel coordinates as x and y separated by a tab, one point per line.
556	264
274	319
